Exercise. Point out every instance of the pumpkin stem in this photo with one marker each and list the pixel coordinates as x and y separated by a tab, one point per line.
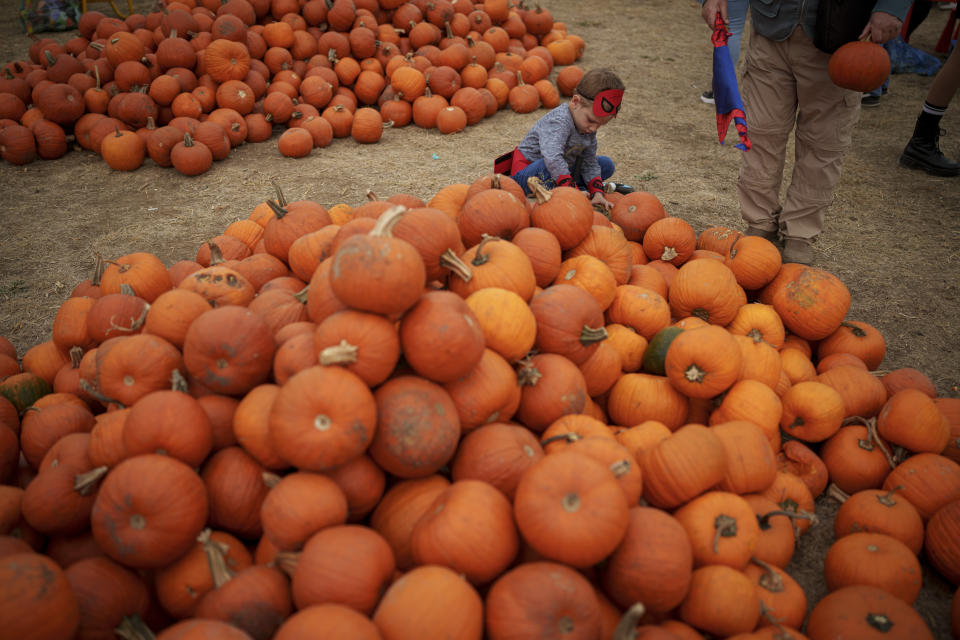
450	260
343	353
764	520
387	221
725	527
570	502
528	375
178	382
133	628
83	483
216	553
277	209
621	468
879	622
371	196
854	329
627	627
887	498
96	74
771	580
286	561
669	253
540	191
701	313
481	257
872	430
280	197
837	493
301	295
96	395
98	266
135	323
76	355
694	373
216	255
495	181
571	436
270	479
187	140
592	335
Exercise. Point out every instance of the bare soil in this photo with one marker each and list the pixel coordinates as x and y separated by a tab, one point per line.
892	235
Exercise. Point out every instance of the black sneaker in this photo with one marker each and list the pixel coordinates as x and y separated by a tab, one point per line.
707	96
869	100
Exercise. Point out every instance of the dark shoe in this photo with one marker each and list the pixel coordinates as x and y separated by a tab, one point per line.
763	233
612	187
707	96
869	100
924	153
799	250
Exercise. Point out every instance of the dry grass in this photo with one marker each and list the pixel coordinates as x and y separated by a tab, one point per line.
891	235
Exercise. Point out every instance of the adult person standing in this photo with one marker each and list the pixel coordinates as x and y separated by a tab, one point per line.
923	149
786	87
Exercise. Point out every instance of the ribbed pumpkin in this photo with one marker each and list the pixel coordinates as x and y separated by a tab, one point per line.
376	272
421	603
322	417
569	322
468	528
412	409
684	465
704	362
865	611
565	212
811	301
570	508
441	337
149	511
542	599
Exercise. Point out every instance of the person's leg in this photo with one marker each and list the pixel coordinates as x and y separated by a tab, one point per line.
923	149
737	15
921	9
826	117
538	169
769	96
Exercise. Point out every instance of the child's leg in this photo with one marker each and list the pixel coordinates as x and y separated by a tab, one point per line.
606	170
538	169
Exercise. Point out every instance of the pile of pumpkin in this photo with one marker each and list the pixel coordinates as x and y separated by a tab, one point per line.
476	416
185	84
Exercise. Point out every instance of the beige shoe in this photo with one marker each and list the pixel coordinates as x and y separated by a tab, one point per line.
798	250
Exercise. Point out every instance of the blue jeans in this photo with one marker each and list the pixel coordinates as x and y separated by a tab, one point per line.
539	169
737	15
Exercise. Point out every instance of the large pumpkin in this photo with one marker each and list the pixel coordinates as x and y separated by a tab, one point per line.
149	511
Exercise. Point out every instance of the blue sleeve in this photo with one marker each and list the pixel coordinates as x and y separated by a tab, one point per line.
896	8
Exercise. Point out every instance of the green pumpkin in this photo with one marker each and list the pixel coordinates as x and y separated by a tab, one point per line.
656	351
23	389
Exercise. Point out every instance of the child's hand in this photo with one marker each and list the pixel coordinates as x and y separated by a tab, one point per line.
598	200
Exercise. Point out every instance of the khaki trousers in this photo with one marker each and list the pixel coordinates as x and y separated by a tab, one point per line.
786	88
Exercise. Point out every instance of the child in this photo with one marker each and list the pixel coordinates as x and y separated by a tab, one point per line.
561	147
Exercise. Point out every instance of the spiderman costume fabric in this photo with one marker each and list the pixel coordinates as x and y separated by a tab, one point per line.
726	94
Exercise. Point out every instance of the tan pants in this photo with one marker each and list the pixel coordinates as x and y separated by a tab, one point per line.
785	86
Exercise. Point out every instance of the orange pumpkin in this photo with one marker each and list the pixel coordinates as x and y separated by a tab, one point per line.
541	598
570	508
148	511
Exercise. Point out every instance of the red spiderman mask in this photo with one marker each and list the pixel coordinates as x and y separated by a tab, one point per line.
607	103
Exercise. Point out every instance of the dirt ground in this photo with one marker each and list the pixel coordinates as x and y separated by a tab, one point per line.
892	235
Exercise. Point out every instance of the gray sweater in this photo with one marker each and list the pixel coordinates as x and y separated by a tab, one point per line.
555	139
776	19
